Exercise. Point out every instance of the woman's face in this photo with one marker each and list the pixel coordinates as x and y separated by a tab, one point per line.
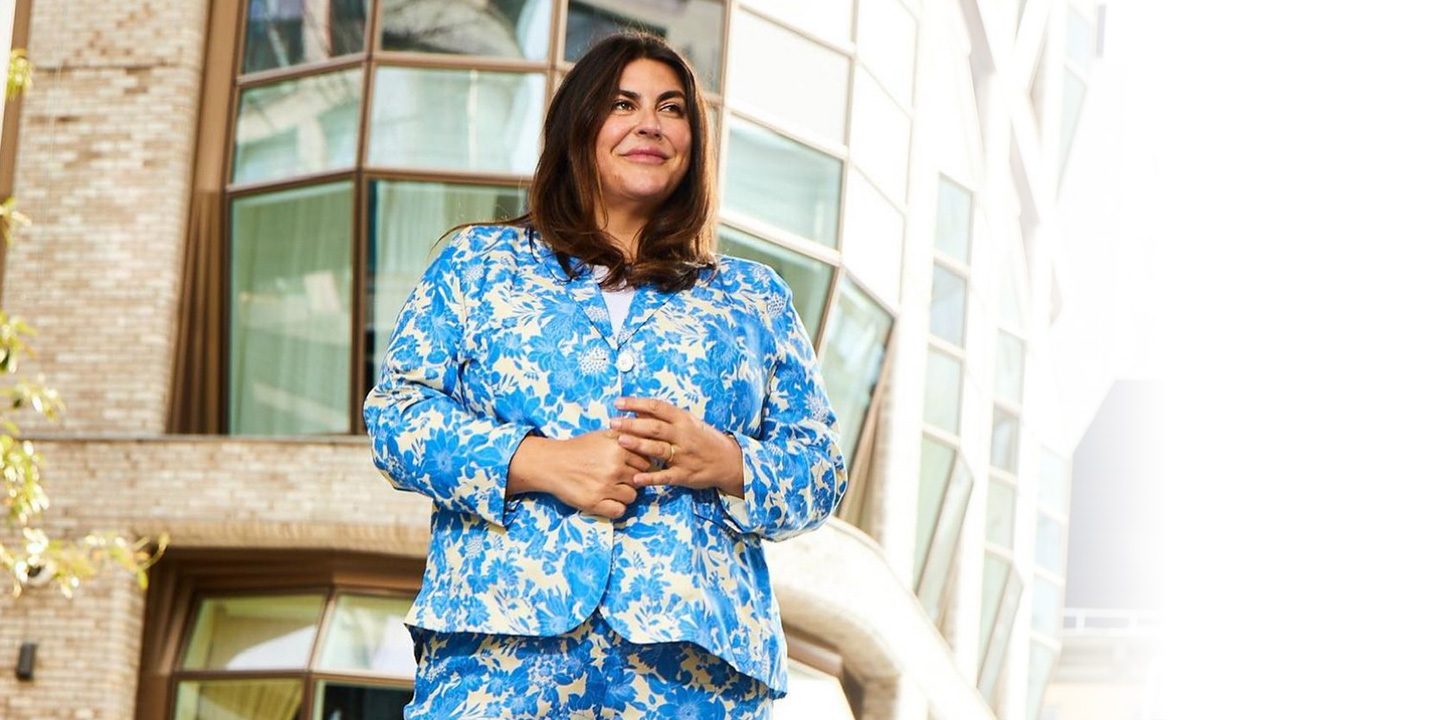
643	149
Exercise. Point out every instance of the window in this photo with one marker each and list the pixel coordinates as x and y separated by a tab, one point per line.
946	483
806	94
940	544
693	28
1000	599
267	641
353	152
1047	596
782	183
1005	441
293	634
854	354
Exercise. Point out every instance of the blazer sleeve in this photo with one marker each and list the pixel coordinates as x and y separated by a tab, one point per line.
424	439
794	470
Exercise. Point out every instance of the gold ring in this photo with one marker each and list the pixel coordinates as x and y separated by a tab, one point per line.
671	456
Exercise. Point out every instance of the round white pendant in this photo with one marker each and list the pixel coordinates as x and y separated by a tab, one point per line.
625	362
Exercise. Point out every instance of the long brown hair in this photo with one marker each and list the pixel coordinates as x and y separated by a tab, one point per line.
679	240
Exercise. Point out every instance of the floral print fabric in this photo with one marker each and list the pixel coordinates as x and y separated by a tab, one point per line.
588	673
497	342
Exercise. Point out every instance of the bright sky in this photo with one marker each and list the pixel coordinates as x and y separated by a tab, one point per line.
1280	161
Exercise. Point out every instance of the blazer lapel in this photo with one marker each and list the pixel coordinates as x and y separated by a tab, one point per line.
581	289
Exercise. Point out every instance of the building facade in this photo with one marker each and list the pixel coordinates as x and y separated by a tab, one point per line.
231	199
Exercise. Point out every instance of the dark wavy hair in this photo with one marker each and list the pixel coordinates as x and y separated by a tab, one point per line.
679	240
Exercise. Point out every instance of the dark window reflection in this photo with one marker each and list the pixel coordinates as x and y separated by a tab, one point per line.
281	33
357	702
498	28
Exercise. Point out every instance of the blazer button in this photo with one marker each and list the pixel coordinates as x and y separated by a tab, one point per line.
625	362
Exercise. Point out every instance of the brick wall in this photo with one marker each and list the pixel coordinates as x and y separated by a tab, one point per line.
103	169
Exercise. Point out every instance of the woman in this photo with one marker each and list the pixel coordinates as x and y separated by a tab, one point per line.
609	419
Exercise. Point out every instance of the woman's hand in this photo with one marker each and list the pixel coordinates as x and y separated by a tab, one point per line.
591	472
692	453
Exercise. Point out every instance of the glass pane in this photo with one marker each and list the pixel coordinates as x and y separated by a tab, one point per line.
238	700
281	33
1000	514
993	658
1046	607
368	633
693	28
1053	480
1050	543
406	222
1073	100
290	311
854	353
295	127
827	19
472	120
789	185
1009	366
874	233
880	137
806	93
1079	39
947	306
943	377
946	541
1005	441
997	571
344	701
268	632
952	220
807	277
1042	663
936	462
499	28
885	40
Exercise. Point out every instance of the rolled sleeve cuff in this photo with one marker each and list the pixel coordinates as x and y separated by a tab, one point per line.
491	472
738	510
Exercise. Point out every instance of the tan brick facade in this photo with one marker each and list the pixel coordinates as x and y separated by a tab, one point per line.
105	152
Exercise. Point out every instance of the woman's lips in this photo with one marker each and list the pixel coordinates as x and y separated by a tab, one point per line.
649	157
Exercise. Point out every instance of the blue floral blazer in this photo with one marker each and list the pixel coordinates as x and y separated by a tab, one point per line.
496	342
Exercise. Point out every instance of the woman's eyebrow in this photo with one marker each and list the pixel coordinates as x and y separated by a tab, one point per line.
632	95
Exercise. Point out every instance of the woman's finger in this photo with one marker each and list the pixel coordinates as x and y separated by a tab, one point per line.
650	406
637	461
658	449
668	476
612	509
644	427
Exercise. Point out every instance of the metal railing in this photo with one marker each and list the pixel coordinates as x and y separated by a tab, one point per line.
1097	621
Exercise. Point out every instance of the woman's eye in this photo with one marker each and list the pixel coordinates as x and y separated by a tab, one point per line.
675	108
623	105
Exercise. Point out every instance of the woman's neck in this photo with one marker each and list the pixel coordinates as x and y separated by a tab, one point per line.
624	229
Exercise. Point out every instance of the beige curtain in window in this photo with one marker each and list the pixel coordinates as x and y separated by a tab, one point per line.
259	700
197	384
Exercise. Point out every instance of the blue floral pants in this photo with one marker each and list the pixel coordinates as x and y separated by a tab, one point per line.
588	673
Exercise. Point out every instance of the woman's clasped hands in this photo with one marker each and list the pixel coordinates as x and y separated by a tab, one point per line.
600	472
